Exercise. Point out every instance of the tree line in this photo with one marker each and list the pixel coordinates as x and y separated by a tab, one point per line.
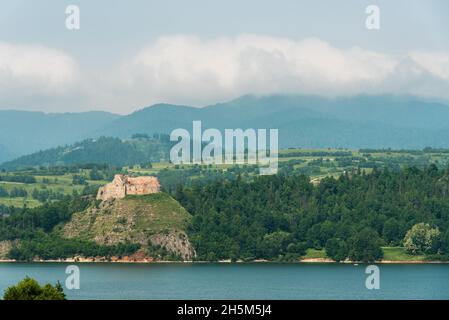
38	232
352	217
248	217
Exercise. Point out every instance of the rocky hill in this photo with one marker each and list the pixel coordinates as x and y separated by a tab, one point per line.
155	221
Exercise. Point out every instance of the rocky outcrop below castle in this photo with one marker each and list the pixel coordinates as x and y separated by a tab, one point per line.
152	220
124	185
5	248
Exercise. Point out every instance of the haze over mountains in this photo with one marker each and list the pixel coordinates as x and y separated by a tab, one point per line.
24	132
399	122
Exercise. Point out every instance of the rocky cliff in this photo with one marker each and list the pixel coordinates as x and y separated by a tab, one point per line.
5	247
152	220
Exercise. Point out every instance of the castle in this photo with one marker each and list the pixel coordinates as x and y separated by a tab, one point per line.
123	185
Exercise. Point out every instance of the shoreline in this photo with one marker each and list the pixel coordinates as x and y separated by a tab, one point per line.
304	261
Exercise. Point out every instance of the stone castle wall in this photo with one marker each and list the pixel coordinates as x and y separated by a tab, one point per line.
123	185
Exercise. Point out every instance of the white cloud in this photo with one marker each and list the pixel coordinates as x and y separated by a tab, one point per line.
435	63
186	67
33	71
188	70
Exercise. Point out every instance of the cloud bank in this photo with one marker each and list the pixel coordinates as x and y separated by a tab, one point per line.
188	70
33	71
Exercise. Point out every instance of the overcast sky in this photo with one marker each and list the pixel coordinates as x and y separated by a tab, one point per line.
131	54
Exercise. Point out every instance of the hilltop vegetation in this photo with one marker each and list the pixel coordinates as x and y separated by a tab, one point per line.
141	149
30	289
23	132
34	186
33	233
339	203
358	215
153	224
150	220
279	217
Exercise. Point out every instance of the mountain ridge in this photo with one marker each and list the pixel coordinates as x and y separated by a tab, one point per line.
363	121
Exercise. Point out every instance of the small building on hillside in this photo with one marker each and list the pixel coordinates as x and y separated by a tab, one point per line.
123	185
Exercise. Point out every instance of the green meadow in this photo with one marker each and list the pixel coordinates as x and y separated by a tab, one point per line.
316	163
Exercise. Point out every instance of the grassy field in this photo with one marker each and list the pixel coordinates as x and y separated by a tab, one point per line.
62	184
390	254
316	163
399	254
166	213
20	202
315	254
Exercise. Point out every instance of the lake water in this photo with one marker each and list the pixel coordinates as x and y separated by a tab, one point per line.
238	281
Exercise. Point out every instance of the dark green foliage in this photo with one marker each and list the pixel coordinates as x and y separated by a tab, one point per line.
390	231
3	192
6	210
445	243
18	192
365	246
94	174
315	154
37	230
49	247
337	249
275	244
18	178
47	194
29	289
201	175
79	180
240	215
161	253
352	216
105	150
25	222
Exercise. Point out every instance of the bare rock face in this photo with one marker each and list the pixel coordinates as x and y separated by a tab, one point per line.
177	242
153	220
5	246
123	185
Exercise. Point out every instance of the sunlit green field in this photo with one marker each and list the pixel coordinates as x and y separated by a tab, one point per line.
20	202
61	184
399	254
316	163
315	254
390	254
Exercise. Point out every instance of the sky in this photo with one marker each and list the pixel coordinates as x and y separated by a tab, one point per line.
130	54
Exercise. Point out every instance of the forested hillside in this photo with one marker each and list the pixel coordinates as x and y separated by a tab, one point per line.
23	132
383	121
279	217
140	149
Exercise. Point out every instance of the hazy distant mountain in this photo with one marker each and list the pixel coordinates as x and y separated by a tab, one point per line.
111	151
303	121
24	132
309	121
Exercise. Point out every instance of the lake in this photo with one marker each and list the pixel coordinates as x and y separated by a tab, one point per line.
238	281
